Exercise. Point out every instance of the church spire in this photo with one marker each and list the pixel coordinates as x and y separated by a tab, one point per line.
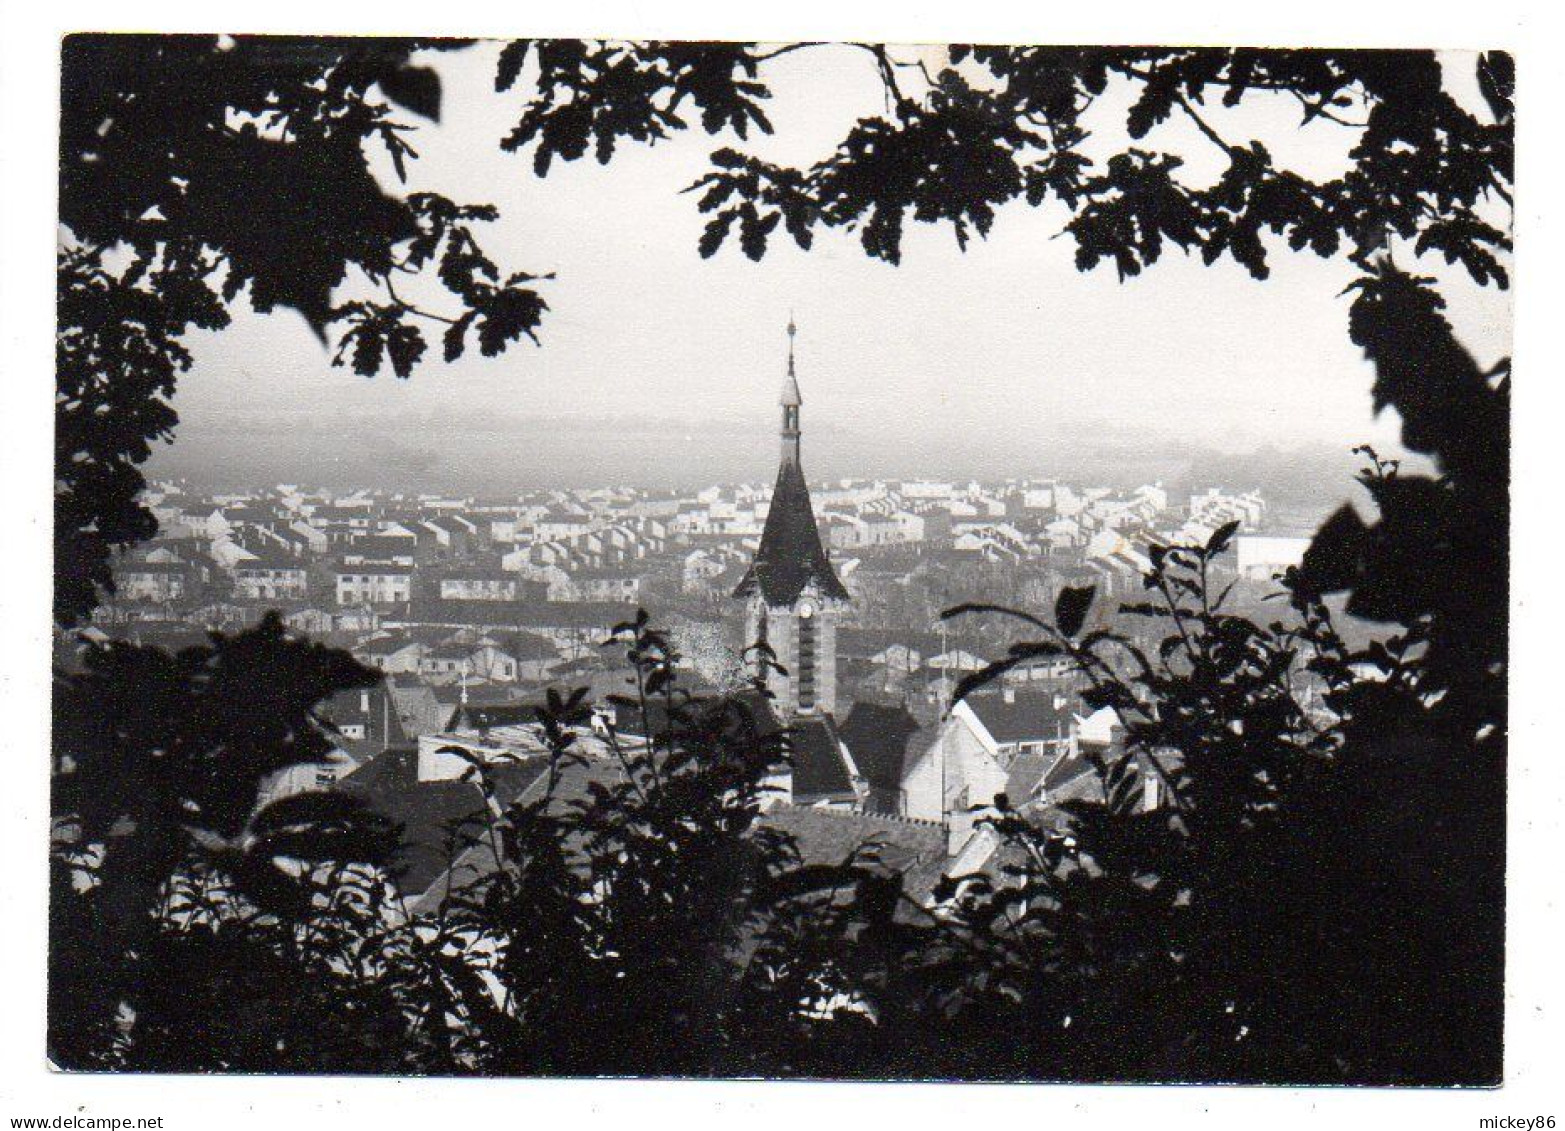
790	555
790	401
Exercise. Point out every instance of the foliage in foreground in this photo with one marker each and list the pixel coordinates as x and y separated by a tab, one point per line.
1266	922
1322	897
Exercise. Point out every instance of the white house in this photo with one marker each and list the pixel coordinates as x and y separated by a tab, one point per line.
478	585
1263	555
393	653
271	576
374	584
962	767
152	581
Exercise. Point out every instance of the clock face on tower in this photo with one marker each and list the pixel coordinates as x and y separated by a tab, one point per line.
806	609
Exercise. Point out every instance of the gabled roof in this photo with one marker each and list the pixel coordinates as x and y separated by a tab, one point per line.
477	573
268	557
476	689
630	719
1026	775
370	708
430	812
387	645
820	771
488	716
869	643
530	646
128	569
1028	717
878	736
915	849
451	650
525	781
790	556
1067	769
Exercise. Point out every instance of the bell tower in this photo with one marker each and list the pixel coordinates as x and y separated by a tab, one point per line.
793	595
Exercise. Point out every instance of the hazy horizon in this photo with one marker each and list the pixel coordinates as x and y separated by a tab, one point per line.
1003	361
506	458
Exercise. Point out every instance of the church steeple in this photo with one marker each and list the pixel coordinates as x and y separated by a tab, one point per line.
791	585
791	556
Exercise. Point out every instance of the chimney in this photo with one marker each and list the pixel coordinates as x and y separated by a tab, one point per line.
1009	694
959	830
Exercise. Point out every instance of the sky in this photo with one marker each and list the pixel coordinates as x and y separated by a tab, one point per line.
659	367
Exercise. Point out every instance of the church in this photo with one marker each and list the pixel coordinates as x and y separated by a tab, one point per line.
793	600
880	762
792	592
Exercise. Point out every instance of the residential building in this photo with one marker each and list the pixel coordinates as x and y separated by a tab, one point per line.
269	576
380	584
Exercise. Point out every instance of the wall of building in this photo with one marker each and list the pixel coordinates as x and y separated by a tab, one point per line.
958	769
782	633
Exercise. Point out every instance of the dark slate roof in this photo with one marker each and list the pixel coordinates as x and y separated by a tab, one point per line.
391	770
915	849
1067	769
878	736
1026	775
790	555
477	573
382	727
128	569
819	770
1083	785
386	645
525	782
428	811
1030	717
487	716
396	543
175	636
530	646
375	569
629	719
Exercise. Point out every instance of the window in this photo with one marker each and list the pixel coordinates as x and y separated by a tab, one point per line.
806	686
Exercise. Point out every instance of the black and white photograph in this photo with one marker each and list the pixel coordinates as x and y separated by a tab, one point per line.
807	559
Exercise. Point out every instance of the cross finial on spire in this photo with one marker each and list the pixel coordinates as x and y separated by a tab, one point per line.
790	392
